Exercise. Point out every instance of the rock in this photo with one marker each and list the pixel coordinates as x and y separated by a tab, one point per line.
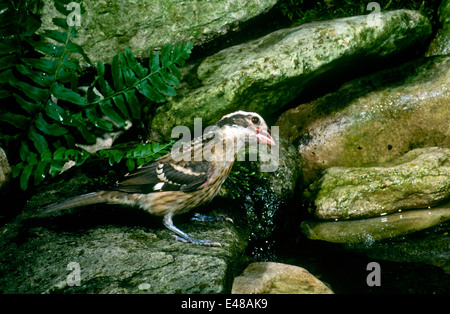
421	178
109	27
282	168
115	255
374	229
5	169
265	74
275	278
429	246
374	119
118	249
441	43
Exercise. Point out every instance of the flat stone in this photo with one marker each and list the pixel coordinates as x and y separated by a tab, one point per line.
420	179
374	229
277	278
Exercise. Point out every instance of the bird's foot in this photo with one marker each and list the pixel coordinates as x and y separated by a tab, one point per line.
206	218
195	241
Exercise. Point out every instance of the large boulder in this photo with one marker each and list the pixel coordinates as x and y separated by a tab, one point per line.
109	27
265	74
115	254
374	119
276	278
419	179
115	249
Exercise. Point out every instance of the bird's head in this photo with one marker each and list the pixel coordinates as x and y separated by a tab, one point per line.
246	125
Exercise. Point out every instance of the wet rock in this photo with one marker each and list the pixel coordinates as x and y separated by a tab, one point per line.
5	169
374	229
116	249
276	278
441	43
374	119
419	179
109	27
115	255
282	167
265	74
430	246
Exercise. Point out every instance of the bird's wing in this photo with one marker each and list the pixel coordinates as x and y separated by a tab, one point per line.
165	174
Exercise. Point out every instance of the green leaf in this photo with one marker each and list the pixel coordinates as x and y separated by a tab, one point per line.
25	177
61	22
57	113
169	78
39	141
165	55
16	120
24	151
30	24
99	122
133	104
71	63
161	86
154	62
49	49
40	172
41	78
69	95
56	36
49	129
88	136
130	164
33	92
148	91
7	61
134	64
108	110
59	153
105	88
175	71
73	47
45	65
116	71
120	104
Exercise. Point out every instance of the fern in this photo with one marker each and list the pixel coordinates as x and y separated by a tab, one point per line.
44	113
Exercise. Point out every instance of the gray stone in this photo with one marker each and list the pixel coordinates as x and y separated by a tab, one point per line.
277	278
43	257
374	119
109	27
265	74
5	169
420	179
375	229
441	43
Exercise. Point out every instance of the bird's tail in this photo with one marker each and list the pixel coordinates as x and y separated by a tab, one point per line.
76	201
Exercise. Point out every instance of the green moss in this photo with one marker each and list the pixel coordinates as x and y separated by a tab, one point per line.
305	11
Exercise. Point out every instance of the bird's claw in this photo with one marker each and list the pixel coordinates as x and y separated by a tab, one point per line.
195	241
206	218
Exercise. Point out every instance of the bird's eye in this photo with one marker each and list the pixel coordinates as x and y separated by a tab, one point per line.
255	120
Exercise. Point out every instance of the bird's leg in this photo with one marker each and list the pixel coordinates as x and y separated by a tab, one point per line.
183	236
206	218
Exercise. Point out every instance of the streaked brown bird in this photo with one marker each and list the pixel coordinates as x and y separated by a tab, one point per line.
183	179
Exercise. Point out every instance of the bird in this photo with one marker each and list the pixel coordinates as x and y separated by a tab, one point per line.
182	179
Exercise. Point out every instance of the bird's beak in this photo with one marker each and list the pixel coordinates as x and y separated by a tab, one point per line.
264	137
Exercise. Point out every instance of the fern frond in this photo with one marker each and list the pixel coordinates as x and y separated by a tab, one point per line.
45	112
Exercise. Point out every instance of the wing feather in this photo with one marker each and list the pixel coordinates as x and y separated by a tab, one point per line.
164	174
